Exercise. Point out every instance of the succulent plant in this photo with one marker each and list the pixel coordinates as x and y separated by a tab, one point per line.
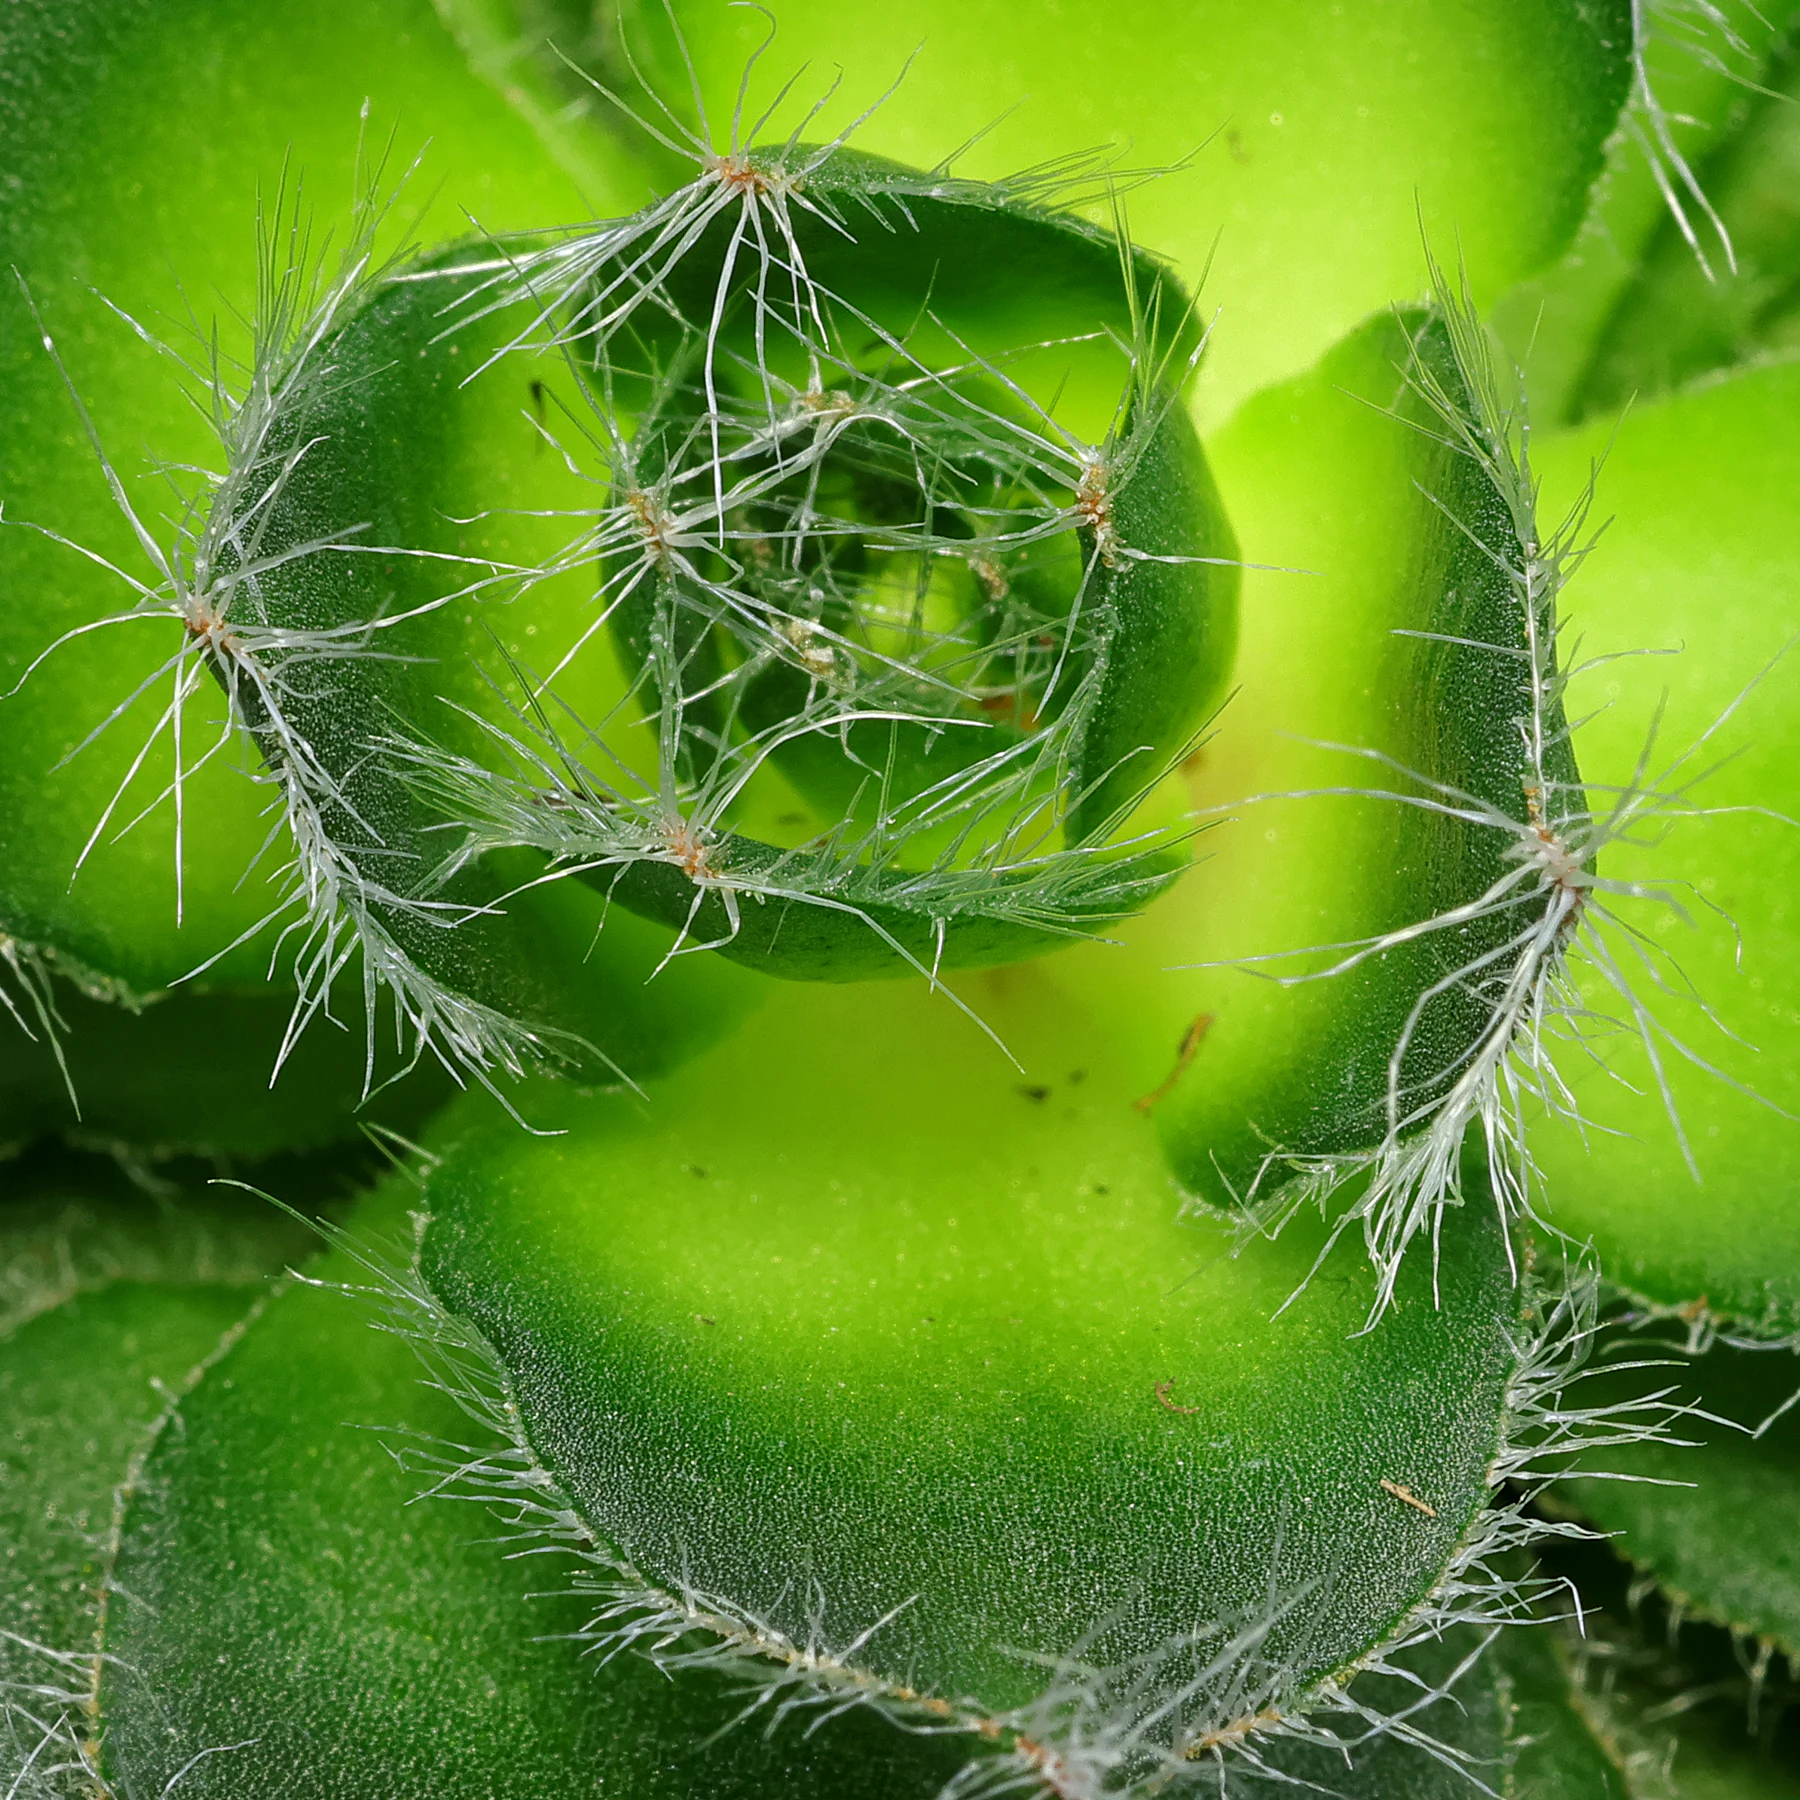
851	953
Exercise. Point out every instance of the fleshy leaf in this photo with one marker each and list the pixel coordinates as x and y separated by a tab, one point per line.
153	204
75	1224
1687	312
290	1616
394	488
190	1074
1507	1718
107	1300
1697	68
1316	138
934	276
80	1389
972	1401
1719	1759
1715	1525
388	433
1689	1711
1444	637
1382	774
1700	560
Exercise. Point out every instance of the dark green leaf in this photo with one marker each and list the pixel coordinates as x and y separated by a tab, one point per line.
286	1602
80	1388
108	1299
1718	1525
190	1074
1512	1722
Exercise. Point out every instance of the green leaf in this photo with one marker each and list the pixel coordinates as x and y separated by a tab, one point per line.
1699	559
1725	1765
1003	392
845	1330
80	1388
935	274
1717	1758
74	1224
1321	137
281	1589
1384	650
1682	317
382	441
190	1074
137	139
1512	1721
1699	66
1694	1711
415	427
1550	1749
107	1300
1716	1531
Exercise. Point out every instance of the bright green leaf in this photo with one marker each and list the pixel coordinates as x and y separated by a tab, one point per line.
1323	136
1702	557
980	1382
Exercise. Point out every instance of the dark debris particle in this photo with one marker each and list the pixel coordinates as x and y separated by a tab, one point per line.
1035	1092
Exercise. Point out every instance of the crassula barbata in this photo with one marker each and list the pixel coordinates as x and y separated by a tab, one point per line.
1088	939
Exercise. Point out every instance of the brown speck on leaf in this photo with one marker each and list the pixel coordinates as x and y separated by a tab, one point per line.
1402	1492
1161	1390
1228	1736
991	576
706	1318
1190	1043
696	1170
1035	1091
